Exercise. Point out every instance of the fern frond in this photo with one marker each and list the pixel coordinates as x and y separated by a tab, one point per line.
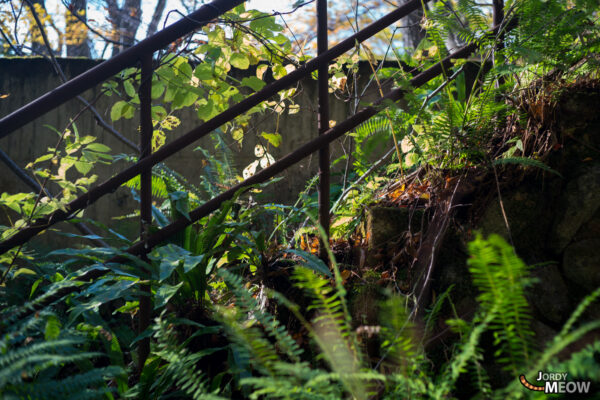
468	351
501	278
528	162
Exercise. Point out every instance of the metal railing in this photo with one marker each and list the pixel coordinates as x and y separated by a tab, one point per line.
143	53
128	58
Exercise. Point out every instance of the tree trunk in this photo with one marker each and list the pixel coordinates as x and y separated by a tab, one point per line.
156	17
38	46
125	22
77	38
412	32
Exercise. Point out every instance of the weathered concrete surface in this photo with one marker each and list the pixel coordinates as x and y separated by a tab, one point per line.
386	225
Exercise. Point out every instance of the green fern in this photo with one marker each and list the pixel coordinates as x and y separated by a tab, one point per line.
527	162
501	278
172	366
30	371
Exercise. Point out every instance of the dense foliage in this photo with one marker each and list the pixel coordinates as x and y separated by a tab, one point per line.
238	311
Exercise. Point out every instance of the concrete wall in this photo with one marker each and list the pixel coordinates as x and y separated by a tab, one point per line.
27	79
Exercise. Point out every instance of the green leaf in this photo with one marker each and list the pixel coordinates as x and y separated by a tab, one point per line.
157	89
170	93
265	26
164	293
526	162
25	271
185	70
158	112
204	72
83	167
239	61
207	109
183	98
180	200
127	111
43	158
279	71
99	147
273	138
253	83
411	159
129	89
117	110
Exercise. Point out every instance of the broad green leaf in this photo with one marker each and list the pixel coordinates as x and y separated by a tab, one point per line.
216	36
204	72
164	293
127	111
265	26
170	93
158	89
273	138
239	61
185	70
207	109
158	112
83	167
23	271
117	110
180	200
43	158
184	98
98	147
129	89
279	71
253	83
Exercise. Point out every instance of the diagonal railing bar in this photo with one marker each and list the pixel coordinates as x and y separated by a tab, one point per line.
113	183
111	67
29	181
262	176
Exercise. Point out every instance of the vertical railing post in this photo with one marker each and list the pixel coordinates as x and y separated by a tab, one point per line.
498	18
145	95
323	121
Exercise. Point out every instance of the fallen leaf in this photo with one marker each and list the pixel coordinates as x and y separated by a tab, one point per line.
345	275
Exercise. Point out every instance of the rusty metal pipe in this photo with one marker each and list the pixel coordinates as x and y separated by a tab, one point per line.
113	183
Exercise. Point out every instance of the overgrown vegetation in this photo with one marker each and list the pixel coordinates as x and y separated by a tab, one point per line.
242	307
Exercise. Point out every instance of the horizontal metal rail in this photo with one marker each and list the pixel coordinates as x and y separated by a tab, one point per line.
178	144
111	67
